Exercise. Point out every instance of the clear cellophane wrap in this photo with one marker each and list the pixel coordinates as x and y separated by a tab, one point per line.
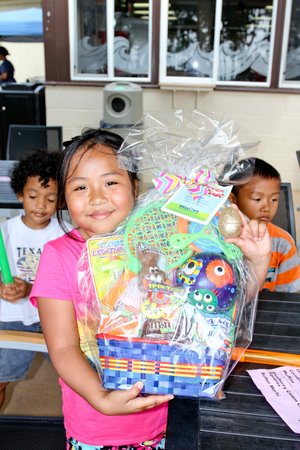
166	299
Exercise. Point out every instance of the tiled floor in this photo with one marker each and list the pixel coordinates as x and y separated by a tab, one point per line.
37	395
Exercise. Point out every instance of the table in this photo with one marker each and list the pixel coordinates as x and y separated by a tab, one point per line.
244	419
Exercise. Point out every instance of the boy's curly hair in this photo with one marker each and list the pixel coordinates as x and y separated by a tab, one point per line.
40	164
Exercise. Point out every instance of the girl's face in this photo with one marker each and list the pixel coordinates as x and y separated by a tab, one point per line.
99	194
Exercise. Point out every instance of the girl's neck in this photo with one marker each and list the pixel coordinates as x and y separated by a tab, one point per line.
83	233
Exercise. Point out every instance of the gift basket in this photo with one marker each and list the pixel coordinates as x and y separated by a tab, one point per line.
172	299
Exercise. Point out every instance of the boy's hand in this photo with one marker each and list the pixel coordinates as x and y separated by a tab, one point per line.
123	402
15	291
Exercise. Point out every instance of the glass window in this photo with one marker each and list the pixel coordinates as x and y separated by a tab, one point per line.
131	41
201	43
92	56
290	66
188	41
245	53
217	42
110	40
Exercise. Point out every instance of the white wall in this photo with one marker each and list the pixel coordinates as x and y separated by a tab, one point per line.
27	59
273	118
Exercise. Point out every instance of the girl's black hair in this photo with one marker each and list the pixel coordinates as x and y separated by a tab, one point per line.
40	163
87	140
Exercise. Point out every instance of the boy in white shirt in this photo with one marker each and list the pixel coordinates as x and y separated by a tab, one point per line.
34	183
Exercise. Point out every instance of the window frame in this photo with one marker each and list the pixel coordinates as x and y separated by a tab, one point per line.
57	50
263	84
212	81
285	41
167	80
110	19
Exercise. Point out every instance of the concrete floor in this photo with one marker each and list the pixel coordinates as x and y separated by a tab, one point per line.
38	395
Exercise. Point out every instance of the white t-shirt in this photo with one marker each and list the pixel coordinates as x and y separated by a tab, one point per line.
23	247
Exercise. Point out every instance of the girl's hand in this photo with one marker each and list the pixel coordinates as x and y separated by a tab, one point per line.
255	243
117	403
15	291
254	240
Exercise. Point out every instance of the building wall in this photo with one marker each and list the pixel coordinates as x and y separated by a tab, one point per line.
273	118
27	59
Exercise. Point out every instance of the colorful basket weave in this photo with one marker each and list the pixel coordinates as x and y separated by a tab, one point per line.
163	368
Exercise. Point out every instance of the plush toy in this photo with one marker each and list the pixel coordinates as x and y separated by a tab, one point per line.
212	281
152	263
160	298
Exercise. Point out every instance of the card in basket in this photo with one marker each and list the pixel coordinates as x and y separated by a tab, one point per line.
106	259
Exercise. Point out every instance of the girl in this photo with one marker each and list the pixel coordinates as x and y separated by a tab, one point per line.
99	196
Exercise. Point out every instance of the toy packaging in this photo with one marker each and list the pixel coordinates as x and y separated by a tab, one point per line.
171	300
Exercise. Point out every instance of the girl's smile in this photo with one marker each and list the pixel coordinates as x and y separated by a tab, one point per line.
99	194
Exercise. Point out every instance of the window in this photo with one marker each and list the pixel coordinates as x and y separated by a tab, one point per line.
213	42
246	43
290	58
187	46
196	44
110	40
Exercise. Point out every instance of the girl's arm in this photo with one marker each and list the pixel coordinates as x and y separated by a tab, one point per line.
61	334
255	242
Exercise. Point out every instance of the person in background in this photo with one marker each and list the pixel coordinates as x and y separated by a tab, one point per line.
34	182
258	199
7	70
99	196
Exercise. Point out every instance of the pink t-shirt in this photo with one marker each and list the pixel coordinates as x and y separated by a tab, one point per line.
56	278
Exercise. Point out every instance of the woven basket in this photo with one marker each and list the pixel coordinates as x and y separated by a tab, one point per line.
163	368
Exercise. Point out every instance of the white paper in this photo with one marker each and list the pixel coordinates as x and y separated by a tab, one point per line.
281	388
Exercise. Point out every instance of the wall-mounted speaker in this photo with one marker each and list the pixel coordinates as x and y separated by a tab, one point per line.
122	104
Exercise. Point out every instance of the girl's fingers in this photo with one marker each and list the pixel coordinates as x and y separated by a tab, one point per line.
244	219
153	400
258	229
262	229
135	390
254	227
150	401
144	402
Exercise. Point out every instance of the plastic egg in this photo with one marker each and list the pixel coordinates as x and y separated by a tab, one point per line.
230	223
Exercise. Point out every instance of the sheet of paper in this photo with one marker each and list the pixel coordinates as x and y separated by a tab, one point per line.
281	388
106	259
182	204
